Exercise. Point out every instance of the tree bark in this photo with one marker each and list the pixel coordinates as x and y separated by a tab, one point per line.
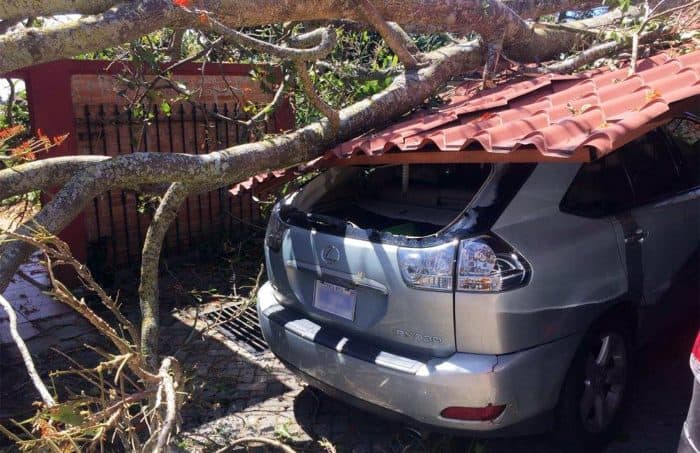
43	174
150	260
124	23
397	40
12	10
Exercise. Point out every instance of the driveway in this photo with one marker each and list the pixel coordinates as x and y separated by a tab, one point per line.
237	394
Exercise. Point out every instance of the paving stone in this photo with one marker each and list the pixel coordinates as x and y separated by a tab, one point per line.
252	387
25	329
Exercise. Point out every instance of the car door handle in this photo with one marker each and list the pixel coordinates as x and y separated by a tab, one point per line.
638	236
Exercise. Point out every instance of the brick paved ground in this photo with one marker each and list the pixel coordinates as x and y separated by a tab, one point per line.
236	394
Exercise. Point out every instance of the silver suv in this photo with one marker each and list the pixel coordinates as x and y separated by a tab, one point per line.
484	298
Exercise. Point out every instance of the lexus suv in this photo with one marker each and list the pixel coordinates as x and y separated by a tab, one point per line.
487	299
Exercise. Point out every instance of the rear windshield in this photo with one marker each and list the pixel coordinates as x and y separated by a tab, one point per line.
410	200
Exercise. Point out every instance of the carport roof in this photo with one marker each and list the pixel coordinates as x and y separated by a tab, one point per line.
543	118
537	119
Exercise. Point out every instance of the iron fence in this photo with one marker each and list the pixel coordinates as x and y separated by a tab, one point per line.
117	220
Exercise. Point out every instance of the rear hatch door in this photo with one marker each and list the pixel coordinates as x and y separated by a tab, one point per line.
317	271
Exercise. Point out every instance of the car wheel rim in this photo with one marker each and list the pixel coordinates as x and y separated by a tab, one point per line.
604	382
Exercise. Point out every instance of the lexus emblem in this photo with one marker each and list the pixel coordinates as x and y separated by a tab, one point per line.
330	254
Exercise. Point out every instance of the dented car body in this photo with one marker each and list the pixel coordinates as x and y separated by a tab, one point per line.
460	296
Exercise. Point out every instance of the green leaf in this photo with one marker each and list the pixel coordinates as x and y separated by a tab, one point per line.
165	108
282	432
67	413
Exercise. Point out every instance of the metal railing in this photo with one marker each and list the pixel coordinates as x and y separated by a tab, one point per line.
116	222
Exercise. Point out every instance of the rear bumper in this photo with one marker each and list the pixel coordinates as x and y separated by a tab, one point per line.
690	435
418	389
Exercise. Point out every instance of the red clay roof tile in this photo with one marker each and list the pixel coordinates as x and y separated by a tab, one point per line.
271	177
558	115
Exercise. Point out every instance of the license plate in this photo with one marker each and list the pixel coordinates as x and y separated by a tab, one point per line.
335	299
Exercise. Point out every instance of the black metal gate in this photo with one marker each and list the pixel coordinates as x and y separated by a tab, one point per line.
116	222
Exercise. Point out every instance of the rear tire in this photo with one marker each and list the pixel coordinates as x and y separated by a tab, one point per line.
595	389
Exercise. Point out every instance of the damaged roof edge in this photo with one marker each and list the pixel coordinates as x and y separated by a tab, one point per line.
542	119
549	118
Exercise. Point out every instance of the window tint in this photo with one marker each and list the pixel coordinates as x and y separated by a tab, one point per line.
618	192
685	135
586	195
600	188
650	166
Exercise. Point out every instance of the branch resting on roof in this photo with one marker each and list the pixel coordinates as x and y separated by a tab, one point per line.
594	53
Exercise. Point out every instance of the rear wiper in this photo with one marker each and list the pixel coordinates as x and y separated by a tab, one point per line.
324	220
319	221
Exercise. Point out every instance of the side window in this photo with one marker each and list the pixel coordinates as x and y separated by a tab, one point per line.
600	188
618	192
685	135
586	195
651	168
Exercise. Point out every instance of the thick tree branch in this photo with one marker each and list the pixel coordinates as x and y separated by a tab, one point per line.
150	260
42	174
308	39
168	386
595	52
324	47
134	19
90	33
239	162
20	9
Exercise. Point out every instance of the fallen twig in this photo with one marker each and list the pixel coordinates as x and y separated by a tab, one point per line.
260	440
26	356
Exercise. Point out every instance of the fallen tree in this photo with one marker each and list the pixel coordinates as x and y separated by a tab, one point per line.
481	33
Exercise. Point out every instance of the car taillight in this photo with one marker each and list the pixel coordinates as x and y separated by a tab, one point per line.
488	264
428	268
695	358
275	231
474	414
